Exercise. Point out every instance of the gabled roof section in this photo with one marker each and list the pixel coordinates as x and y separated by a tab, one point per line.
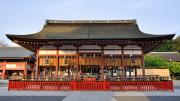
169	56
89	29
15	52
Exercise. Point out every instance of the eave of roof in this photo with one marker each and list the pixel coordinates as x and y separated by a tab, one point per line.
150	37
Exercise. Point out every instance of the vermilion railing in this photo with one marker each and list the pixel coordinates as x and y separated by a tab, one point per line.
142	85
91	85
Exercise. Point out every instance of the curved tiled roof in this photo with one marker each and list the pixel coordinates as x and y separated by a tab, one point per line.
169	56
90	29
14	52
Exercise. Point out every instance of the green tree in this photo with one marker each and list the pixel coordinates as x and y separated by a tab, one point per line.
167	47
174	68
177	44
152	61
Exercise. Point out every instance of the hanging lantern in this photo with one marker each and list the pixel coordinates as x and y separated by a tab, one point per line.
46	62
132	57
113	60
94	55
65	56
84	55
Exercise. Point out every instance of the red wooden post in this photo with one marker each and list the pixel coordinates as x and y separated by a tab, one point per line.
74	85
25	70
9	85
4	70
102	62
172	86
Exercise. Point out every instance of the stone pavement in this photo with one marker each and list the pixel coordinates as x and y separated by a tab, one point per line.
5	92
89	95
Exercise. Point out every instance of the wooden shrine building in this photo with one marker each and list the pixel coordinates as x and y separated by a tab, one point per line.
15	62
95	50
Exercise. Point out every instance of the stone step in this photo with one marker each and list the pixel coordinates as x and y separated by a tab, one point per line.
89	96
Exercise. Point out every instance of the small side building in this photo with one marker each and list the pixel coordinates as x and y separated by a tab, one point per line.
16	62
169	56
165	73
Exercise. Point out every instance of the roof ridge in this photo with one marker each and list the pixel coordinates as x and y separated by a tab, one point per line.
12	47
133	21
164	52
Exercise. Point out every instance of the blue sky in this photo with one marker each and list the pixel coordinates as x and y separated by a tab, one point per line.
28	16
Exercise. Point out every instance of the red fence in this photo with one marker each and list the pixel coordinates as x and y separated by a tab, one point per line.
142	86
91	85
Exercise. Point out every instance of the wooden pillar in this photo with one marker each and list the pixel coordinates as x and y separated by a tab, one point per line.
57	62
68	70
37	63
77	55
135	71
50	74
25	68
129	68
45	72
58	70
4	70
122	63
102	63
142	63
125	71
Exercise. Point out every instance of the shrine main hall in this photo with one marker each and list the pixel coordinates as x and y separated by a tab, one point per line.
91	50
